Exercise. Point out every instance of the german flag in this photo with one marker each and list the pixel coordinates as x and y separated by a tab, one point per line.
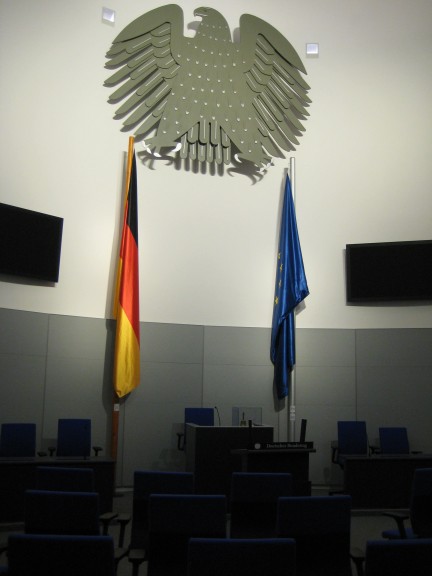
126	304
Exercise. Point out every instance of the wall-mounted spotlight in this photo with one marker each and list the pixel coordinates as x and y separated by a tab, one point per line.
108	16
312	49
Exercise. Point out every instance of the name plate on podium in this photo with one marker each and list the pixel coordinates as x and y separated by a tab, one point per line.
283	446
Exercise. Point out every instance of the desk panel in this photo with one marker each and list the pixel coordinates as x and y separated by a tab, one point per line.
382	481
19	474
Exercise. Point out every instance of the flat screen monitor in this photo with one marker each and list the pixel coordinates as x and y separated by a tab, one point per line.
389	271
30	243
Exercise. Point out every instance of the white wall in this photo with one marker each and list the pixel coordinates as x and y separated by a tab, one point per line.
207	241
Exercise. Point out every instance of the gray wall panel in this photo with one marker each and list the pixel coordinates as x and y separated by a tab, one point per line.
411	347
324	395
317	347
335	385
171	343
77	337
241	385
397	396
23	332
74	389
232	345
150	436
321	429
22	384
171	382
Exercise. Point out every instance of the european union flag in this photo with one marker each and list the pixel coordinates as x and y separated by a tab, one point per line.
291	288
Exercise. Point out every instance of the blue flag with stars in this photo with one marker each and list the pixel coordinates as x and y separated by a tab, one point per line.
290	289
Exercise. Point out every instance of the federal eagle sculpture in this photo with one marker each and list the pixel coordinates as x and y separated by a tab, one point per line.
206	97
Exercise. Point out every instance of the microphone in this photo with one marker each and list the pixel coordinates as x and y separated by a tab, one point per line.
218	415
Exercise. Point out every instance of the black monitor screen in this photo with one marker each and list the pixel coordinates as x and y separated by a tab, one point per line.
389	271
30	243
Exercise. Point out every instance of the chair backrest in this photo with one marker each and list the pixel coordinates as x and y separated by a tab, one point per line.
147	482
18	440
240	557
42	555
74	437
55	512
65	478
412	557
394	440
173	520
253	502
352	437
421	503
200	416
321	527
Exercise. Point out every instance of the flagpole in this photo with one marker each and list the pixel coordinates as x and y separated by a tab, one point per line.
115	415
292	388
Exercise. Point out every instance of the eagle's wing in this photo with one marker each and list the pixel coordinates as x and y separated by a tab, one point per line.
143	54
273	72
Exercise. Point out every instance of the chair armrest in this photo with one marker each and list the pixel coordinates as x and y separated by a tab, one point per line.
136	557
400	519
358	557
335	451
123	520
106	520
110	517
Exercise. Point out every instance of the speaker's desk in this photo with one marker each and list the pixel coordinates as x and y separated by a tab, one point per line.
382	481
209	453
293	460
19	474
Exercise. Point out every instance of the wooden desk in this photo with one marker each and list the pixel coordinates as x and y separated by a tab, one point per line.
19	474
292	460
382	481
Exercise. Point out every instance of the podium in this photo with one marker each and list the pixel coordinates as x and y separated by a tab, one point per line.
209	453
293	460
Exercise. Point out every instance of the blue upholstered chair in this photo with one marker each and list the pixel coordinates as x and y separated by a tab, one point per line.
253	502
398	557
74	438
72	479
18	440
352	440
59	512
241	557
394	440
65	478
54	555
65	513
321	527
420	511
173	520
147	482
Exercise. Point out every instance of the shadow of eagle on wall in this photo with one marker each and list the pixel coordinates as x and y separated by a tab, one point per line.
208	98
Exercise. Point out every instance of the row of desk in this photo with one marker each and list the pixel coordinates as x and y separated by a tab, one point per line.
374	482
213	453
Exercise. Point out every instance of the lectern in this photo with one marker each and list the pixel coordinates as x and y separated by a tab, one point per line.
209	453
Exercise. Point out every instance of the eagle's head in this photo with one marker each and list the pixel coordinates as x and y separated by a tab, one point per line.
212	20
